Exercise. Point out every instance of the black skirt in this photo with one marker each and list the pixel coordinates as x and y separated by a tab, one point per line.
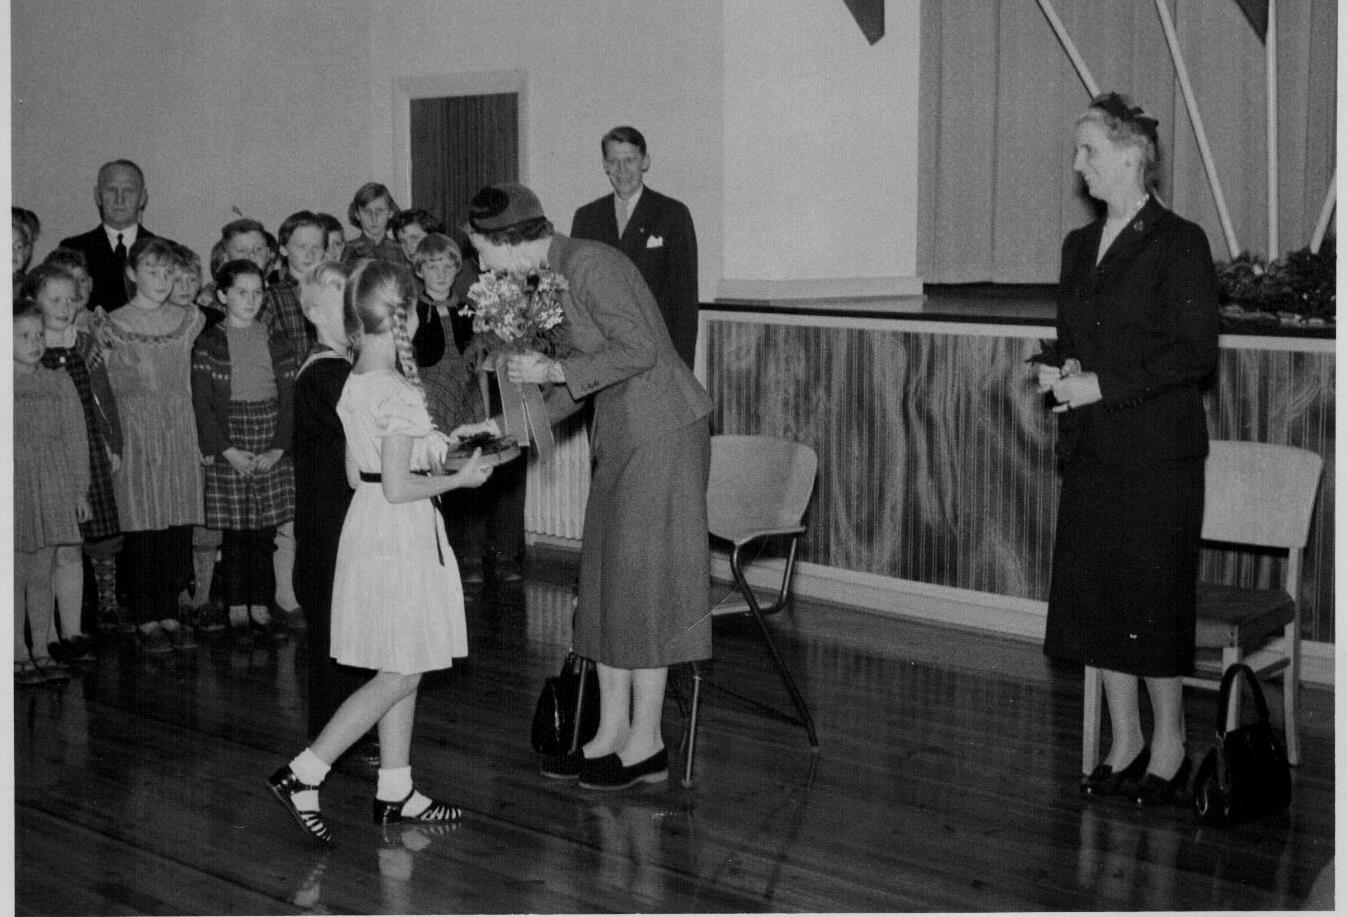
1124	566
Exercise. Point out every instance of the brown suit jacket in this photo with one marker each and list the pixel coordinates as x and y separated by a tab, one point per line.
620	353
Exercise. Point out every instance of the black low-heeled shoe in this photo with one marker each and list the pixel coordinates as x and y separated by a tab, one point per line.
609	773
284	785
1157	791
389	813
1105	781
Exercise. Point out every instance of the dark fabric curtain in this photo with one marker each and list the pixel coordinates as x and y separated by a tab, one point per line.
460	144
999	100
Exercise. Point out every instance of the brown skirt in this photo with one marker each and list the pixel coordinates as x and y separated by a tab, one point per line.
645	559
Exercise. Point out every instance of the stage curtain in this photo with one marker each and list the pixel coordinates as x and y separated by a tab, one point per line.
999	100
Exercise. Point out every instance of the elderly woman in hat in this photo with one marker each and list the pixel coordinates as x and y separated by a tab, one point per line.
1137	327
644	562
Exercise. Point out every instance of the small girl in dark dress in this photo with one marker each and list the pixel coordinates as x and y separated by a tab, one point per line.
242	390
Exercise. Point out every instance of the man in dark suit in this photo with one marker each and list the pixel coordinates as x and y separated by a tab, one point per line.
653	230
120	196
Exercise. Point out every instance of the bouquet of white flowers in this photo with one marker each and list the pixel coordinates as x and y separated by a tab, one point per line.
523	312
512	313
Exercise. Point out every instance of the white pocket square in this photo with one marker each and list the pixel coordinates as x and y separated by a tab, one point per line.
654	242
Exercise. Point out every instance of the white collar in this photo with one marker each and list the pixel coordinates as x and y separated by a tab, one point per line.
128	234
630	202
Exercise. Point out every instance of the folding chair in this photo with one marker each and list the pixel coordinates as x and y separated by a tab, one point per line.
759	488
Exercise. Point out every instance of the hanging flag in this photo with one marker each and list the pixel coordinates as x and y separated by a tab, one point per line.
869	15
1256	12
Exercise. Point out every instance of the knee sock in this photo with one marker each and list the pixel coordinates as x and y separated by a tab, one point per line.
105	580
68	583
203	570
311	770
283	563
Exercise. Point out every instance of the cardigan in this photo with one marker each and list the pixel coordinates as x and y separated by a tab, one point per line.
211	395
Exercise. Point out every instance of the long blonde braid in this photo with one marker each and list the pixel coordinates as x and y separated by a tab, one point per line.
378	296
403	342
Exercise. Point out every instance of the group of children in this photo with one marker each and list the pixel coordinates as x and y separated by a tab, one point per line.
152	437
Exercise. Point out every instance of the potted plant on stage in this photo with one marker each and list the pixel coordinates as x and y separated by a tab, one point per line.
1298	291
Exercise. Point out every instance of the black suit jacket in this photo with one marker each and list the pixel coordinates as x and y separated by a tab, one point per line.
1146	320
662	243
105	268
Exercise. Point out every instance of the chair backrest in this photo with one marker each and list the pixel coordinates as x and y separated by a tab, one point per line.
757	484
1260	494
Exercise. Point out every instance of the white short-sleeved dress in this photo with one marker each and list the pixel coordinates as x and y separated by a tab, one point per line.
397	601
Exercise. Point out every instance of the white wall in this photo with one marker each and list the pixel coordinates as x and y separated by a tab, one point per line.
248	104
587	65
820	167
791	139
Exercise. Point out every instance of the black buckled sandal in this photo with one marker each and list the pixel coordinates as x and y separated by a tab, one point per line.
284	785
388	813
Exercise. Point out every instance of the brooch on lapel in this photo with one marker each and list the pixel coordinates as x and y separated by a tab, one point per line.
654	242
1139	225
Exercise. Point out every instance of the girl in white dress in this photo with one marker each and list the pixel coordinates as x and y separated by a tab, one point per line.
397	603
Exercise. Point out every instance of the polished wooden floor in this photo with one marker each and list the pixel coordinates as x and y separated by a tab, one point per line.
945	782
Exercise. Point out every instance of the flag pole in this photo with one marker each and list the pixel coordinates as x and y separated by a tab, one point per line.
1077	61
1193	115
1273	175
1325	213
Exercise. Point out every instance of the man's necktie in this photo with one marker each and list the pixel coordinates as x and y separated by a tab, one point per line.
622	216
120	249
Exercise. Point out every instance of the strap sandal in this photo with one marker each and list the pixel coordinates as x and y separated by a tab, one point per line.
388	813
284	785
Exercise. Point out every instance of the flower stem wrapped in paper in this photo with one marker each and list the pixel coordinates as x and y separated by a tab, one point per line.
513	313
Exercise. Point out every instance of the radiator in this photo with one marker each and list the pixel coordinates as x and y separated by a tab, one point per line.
558	488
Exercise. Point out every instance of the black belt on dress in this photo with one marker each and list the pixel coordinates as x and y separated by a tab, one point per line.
373	477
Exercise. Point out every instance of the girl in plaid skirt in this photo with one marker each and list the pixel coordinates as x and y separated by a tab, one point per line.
55	291
242	389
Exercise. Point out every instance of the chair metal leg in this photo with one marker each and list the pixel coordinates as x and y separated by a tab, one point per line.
1290	692
690	752
1093	719
795	696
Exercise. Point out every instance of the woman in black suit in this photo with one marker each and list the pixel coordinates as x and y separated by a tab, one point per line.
1137	333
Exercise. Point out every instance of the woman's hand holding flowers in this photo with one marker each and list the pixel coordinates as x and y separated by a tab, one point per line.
532	367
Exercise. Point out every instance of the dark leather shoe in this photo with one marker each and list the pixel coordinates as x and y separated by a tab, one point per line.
564	767
1105	781
608	772
388	813
1157	791
284	785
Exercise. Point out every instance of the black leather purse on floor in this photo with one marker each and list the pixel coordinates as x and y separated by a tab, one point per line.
570	696
1246	776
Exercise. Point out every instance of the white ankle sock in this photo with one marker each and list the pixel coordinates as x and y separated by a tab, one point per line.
394	784
310	768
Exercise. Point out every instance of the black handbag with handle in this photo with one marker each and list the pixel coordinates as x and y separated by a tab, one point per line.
567	715
1246	776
